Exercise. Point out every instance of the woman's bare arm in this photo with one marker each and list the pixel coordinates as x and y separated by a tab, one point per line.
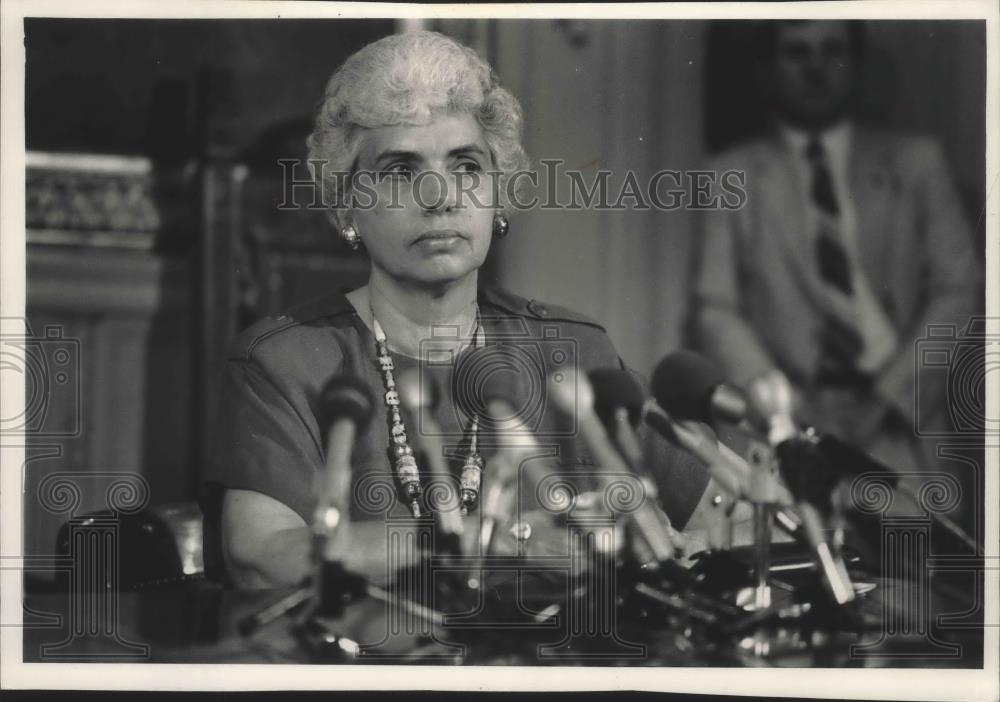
265	542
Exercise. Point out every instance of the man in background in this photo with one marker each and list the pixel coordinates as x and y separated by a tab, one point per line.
851	243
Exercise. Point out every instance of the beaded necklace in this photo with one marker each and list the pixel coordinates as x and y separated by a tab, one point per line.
404	462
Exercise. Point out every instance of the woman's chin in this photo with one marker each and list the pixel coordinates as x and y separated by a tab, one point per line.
441	271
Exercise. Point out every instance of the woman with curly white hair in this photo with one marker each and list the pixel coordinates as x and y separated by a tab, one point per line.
430	143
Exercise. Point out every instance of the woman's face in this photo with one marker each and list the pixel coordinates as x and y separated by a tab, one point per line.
431	221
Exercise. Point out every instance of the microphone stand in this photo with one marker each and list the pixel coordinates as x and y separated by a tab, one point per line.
763	497
762	520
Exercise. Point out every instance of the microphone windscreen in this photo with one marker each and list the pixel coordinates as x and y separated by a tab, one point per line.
851	462
417	391
683	383
614	388
490	375
345	397
807	473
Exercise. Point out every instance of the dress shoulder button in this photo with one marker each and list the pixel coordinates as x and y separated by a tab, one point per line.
538	309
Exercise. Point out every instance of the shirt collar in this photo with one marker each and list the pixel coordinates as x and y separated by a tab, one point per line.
835	139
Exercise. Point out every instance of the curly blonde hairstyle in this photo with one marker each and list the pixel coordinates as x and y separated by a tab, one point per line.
409	79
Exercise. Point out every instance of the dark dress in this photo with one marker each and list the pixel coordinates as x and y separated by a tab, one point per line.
268	438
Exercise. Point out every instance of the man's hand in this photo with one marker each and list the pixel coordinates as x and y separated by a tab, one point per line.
841	347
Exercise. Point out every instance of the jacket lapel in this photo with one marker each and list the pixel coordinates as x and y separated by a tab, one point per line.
791	220
871	184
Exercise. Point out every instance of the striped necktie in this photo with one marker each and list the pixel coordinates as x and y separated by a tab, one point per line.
841	345
834	264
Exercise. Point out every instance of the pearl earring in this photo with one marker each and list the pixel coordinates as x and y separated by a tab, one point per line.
350	236
500	226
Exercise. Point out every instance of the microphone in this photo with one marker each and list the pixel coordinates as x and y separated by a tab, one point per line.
695	394
689	386
618	401
486	388
772	396
812	487
420	396
344	408
773	401
725	467
575	396
493	399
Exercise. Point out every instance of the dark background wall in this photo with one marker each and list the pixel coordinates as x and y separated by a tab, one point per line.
149	86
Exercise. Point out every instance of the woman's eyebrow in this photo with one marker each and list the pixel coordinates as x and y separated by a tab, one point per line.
397	154
467	149
415	157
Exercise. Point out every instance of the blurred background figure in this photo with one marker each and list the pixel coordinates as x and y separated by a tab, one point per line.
852	242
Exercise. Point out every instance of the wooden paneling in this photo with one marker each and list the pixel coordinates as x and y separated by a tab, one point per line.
129	314
151	328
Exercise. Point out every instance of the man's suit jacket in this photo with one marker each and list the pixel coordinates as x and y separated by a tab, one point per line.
758	295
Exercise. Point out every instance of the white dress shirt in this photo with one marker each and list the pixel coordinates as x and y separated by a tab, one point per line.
877	333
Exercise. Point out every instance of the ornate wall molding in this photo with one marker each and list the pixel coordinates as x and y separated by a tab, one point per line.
103	200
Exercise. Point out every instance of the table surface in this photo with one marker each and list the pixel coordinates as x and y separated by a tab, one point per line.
199	622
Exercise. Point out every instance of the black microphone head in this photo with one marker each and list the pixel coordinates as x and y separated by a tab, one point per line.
683	384
345	397
807	473
417	391
488	376
614	388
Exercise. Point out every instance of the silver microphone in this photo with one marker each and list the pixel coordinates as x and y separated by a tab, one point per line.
574	395
419	396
